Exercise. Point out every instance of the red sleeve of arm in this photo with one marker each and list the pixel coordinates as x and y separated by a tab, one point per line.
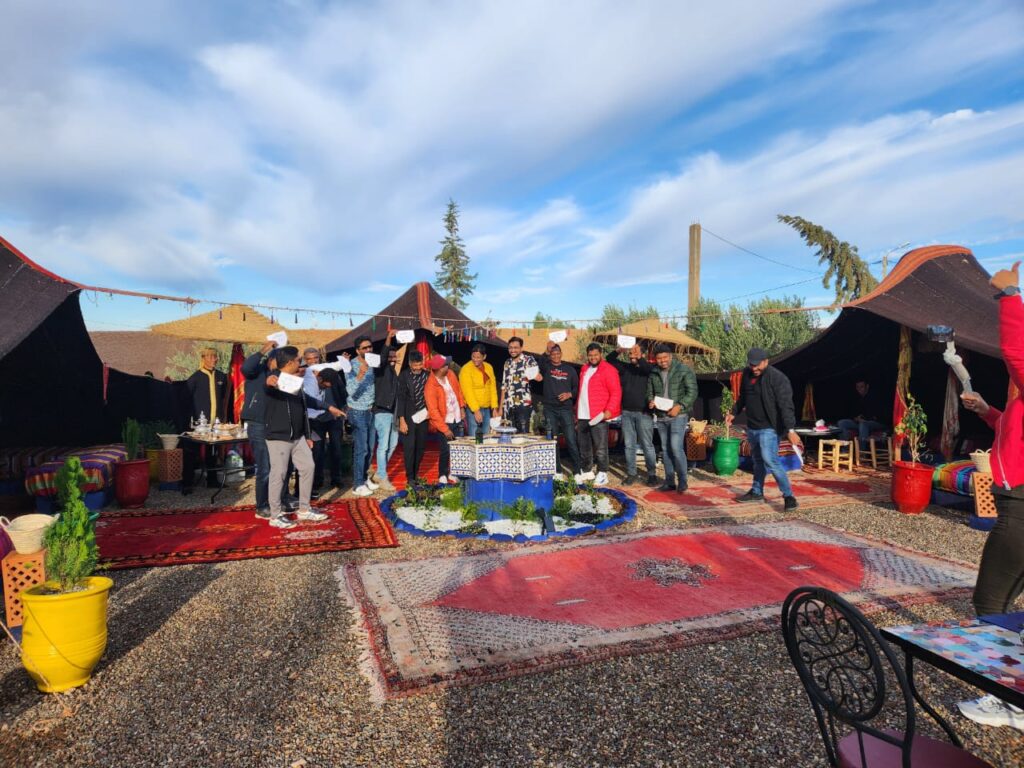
1011	337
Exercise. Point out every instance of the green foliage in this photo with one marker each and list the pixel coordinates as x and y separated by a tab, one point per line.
451	498
70	542
181	365
150	431
421	493
612	316
471	513
131	436
850	272
913	427
521	509
453	278
564	486
735	329
542	321
562	506
728	402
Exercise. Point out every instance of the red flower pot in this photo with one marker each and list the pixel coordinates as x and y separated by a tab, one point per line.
131	483
911	486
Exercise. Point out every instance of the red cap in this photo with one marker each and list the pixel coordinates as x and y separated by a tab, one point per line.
437	362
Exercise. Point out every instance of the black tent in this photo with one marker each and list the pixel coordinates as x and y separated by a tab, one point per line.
937	285
54	385
437	323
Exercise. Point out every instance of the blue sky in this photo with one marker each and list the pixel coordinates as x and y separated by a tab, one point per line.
302	153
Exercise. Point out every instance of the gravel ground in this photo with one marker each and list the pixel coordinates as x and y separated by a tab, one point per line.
251	664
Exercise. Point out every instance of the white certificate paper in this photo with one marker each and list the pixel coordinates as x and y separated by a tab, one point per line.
286	382
664	403
531	372
420	416
372	360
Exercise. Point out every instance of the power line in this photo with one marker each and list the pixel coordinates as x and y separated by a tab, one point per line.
769	290
758	255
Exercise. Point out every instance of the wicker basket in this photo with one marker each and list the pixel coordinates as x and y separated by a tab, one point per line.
26	532
983	461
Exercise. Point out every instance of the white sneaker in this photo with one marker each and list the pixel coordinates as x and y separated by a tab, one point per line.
442	480
310	515
362	490
558	476
281	522
371	485
588	476
580	478
601	479
988	710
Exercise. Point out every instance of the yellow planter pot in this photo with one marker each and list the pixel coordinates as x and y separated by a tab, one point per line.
64	635
154	470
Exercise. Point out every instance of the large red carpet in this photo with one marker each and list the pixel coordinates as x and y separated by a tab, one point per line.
143	538
490	615
428	467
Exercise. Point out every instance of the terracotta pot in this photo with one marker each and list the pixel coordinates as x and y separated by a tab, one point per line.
131	483
911	486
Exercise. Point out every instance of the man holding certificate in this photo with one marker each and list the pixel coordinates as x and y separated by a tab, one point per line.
671	392
600	400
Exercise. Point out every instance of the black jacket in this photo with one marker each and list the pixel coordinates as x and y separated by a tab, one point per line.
339	389
254	408
386	386
406	402
198	385
633	377
285	416
776	395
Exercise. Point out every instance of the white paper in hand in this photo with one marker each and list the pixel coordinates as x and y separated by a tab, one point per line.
286	382
531	372
342	364
664	403
280	338
372	360
406	337
799	451
420	416
626	342
597	419
319	367
558	336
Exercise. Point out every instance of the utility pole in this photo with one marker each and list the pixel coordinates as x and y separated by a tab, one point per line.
885	258
693	283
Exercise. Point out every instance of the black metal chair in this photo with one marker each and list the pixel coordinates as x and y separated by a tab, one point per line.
841	659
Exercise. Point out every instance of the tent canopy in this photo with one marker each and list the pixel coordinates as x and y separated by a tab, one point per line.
235	323
420	308
654	332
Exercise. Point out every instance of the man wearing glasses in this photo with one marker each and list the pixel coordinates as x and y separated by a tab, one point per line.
360	382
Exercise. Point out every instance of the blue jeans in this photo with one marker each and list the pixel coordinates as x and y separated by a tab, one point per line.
673	447
472	426
387	440
637	424
764	450
361	423
561	421
862	429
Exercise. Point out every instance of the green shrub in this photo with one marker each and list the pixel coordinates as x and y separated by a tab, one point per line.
70	542
131	435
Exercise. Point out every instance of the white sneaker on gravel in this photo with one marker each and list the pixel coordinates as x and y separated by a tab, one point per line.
310	515
988	710
588	476
362	490
601	479
371	485
281	522
579	478
442	480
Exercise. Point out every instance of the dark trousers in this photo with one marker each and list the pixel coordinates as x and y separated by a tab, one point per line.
560	421
444	465
414	442
1001	574
520	416
593	445
327	450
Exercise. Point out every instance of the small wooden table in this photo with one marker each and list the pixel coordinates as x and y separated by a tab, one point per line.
817	435
194	440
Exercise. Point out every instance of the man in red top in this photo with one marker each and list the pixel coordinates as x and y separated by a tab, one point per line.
600	400
1001	573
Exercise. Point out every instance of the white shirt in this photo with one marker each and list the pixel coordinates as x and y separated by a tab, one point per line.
451	403
583	406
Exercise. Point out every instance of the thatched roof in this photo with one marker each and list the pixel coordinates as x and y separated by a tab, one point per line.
136	352
653	332
535	341
235	323
419	308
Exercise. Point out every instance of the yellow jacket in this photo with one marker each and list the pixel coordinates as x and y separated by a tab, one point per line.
478	394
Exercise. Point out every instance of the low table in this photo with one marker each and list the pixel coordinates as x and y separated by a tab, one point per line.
191	443
984	655
817	435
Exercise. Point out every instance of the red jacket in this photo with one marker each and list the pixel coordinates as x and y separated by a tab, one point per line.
604	390
1008	450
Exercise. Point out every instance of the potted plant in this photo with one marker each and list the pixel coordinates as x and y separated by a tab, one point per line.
726	457
911	481
65	629
131	476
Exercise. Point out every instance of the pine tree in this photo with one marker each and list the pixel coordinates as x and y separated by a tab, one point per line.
453	279
852	277
70	542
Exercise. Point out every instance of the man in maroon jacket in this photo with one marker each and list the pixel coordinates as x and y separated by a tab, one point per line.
1001	573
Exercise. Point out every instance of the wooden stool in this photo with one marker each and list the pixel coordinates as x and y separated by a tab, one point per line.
984	500
838	453
878	453
19	573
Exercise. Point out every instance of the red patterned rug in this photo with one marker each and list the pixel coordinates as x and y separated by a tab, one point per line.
428	467
710	496
144	538
487	616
